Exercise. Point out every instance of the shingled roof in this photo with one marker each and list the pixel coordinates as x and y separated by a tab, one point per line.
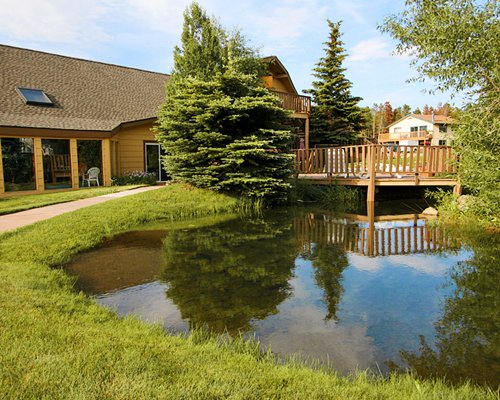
87	95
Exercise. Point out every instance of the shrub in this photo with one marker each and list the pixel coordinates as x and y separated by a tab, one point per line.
134	178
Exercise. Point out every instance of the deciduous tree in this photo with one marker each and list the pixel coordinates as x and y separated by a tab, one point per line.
462	56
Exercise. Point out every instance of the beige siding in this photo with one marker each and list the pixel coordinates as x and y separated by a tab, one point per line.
131	147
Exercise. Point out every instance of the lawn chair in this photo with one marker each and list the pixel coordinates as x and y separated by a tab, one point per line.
91	175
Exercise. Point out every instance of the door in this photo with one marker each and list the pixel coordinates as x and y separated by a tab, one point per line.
153	152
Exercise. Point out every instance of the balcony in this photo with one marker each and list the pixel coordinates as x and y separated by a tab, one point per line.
297	104
397	136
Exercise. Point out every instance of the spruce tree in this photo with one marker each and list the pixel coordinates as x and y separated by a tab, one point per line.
202	54
335	117
221	129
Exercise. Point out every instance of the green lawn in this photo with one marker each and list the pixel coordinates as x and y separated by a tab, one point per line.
9	205
58	344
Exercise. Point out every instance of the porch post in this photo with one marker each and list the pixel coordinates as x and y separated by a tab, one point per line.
106	162
372	150
37	149
2	185
73	152
307	133
370	245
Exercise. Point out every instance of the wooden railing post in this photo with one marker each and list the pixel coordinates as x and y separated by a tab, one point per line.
371	172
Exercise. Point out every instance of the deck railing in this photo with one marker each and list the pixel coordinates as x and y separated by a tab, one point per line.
372	241
356	161
389	137
289	101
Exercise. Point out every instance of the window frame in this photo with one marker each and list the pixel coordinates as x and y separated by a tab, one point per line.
46	103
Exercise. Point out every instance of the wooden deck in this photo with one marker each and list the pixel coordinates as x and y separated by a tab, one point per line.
378	165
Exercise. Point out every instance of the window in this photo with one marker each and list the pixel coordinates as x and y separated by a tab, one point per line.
18	160
414	129
56	163
397	130
422	128
34	97
442	142
89	156
443	128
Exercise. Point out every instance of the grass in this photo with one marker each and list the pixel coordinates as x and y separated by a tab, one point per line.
58	344
9	205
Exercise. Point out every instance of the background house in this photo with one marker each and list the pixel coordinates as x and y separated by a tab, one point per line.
419	129
60	116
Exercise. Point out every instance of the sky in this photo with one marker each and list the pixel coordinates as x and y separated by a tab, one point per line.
143	33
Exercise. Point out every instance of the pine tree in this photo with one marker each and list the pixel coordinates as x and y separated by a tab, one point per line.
336	117
388	115
221	129
203	51
405	110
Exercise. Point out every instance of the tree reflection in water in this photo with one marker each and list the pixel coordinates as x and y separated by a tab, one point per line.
329	261
467	344
224	276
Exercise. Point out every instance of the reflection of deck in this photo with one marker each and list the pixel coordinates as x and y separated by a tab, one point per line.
378	165
356	233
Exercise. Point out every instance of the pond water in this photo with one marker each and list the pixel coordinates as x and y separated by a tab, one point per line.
359	291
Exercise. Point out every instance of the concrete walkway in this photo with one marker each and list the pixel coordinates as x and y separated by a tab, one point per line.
13	221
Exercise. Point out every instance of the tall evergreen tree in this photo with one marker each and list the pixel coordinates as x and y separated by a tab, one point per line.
336	117
203	52
388	114
221	129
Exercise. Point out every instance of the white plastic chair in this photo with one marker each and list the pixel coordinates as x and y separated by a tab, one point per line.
91	175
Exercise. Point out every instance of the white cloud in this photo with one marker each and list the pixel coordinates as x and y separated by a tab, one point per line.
165	16
282	28
350	9
55	21
370	49
364	263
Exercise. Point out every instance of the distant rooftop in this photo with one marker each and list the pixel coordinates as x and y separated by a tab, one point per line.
438	119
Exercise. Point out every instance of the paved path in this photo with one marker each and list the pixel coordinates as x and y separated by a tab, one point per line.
13	221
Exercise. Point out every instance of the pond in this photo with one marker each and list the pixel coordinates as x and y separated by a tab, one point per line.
357	291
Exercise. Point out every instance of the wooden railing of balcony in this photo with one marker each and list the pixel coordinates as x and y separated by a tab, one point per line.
298	104
396	136
376	160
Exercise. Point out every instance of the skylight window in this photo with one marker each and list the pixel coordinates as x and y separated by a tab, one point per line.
35	97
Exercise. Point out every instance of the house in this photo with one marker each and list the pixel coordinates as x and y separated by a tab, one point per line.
60	116
419	129
279	82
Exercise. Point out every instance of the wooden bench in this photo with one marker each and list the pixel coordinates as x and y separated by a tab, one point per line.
60	165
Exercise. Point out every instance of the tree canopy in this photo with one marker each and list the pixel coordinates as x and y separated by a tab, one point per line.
220	128
455	43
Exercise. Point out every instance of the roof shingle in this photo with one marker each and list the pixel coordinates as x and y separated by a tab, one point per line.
88	95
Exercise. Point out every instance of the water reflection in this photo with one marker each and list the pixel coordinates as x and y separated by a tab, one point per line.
225	276
467	344
358	291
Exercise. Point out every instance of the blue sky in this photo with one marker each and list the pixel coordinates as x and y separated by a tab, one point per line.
143	33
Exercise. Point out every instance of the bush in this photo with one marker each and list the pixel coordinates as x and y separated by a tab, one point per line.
134	178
